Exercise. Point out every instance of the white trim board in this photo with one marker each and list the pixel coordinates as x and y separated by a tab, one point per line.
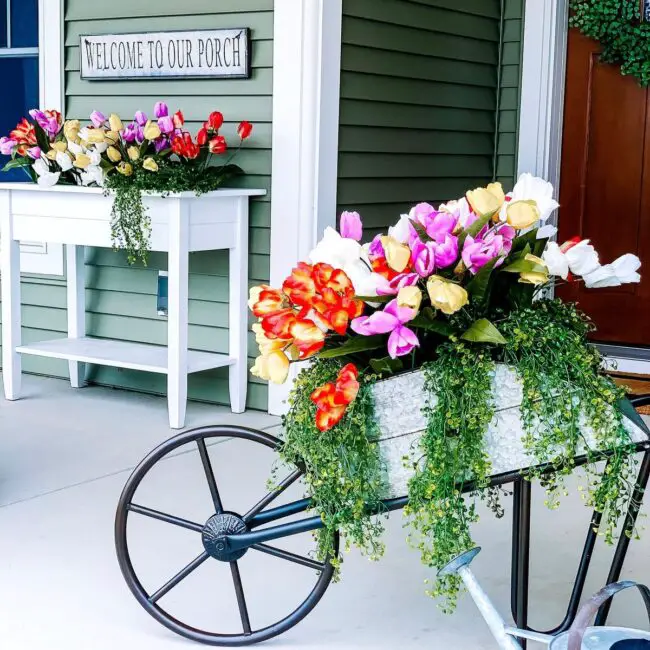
306	92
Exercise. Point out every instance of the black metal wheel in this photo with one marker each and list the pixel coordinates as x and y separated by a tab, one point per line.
209	533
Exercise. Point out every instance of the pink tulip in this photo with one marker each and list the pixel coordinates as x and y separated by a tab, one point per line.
423	257
391	287
7	145
376	248
98	119
447	252
351	226
166	124
495	243
141	118
34	153
437	224
391	320
161	110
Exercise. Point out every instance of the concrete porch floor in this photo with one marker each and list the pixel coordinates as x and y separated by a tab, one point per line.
64	458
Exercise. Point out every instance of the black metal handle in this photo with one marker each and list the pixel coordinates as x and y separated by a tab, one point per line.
589	609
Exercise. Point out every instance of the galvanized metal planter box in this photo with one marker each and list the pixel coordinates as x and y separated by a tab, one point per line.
398	408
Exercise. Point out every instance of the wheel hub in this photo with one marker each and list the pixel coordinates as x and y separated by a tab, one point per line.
215	531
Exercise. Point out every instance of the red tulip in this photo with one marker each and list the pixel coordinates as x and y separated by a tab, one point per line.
179	119
202	136
244	130
215	121
218	145
192	151
177	145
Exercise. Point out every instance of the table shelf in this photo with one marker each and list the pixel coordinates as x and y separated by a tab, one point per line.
122	354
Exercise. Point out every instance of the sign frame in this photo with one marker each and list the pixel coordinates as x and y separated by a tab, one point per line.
248	67
645	11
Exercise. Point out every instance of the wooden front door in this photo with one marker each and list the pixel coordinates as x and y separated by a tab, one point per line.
605	185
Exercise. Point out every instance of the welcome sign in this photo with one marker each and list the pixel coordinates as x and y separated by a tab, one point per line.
218	53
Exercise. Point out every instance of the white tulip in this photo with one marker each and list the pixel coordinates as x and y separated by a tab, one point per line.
75	148
49	179
556	260
532	188
95	157
335	250
546	232
64	161
582	258
460	209
92	174
621	271
41	167
401	230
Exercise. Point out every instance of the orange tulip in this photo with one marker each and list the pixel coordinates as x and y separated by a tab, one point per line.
277	325
307	337
269	301
332	399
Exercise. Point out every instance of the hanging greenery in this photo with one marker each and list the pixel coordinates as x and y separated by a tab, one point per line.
617	25
563	390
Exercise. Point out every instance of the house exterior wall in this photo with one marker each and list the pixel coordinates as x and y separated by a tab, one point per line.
419	84
121	299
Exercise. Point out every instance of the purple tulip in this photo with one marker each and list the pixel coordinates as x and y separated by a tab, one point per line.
166	125
391	320
376	248
351	226
161	110
52	127
161	143
130	132
140	118
37	115
139	136
7	145
391	287
447	252
495	243
98	119
34	153
423	257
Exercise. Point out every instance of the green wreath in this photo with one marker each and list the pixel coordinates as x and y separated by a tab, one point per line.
618	26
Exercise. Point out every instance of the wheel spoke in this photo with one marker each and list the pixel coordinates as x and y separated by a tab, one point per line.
290	557
170	519
181	575
241	600
271	496
209	474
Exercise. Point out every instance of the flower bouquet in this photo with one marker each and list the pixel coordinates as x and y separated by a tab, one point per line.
425	330
145	155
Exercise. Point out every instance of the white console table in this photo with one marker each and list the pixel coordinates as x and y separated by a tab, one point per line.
181	223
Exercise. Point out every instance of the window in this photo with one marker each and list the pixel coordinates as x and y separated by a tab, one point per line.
19	70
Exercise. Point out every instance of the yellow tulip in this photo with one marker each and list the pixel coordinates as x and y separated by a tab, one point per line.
254	296
112	137
273	367
114	154
125	168
486	200
115	122
133	152
60	146
51	154
446	296
538	275
151	130
71	129
522	214
81	161
397	254
409	297
150	165
96	136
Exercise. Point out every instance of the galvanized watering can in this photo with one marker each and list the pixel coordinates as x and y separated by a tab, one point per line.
579	637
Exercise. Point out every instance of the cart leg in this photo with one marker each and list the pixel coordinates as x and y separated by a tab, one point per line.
520	554
76	308
624	540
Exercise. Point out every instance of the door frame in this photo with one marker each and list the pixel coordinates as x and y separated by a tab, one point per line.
541	122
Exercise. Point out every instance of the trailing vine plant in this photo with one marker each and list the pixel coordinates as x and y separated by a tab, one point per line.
564	395
618	26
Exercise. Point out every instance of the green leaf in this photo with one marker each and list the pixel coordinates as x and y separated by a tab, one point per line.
483	331
357	344
475	228
41	139
477	287
432	325
421	231
524	266
386	366
377	299
17	163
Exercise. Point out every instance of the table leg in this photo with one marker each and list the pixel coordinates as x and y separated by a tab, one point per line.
177	321
520	554
238	325
11	316
76	290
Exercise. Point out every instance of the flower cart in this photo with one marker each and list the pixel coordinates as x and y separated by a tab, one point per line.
438	372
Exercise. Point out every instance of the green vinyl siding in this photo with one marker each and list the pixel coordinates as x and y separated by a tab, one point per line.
419	88
506	159
121	300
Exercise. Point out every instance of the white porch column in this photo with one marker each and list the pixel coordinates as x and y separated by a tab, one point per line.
307	71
